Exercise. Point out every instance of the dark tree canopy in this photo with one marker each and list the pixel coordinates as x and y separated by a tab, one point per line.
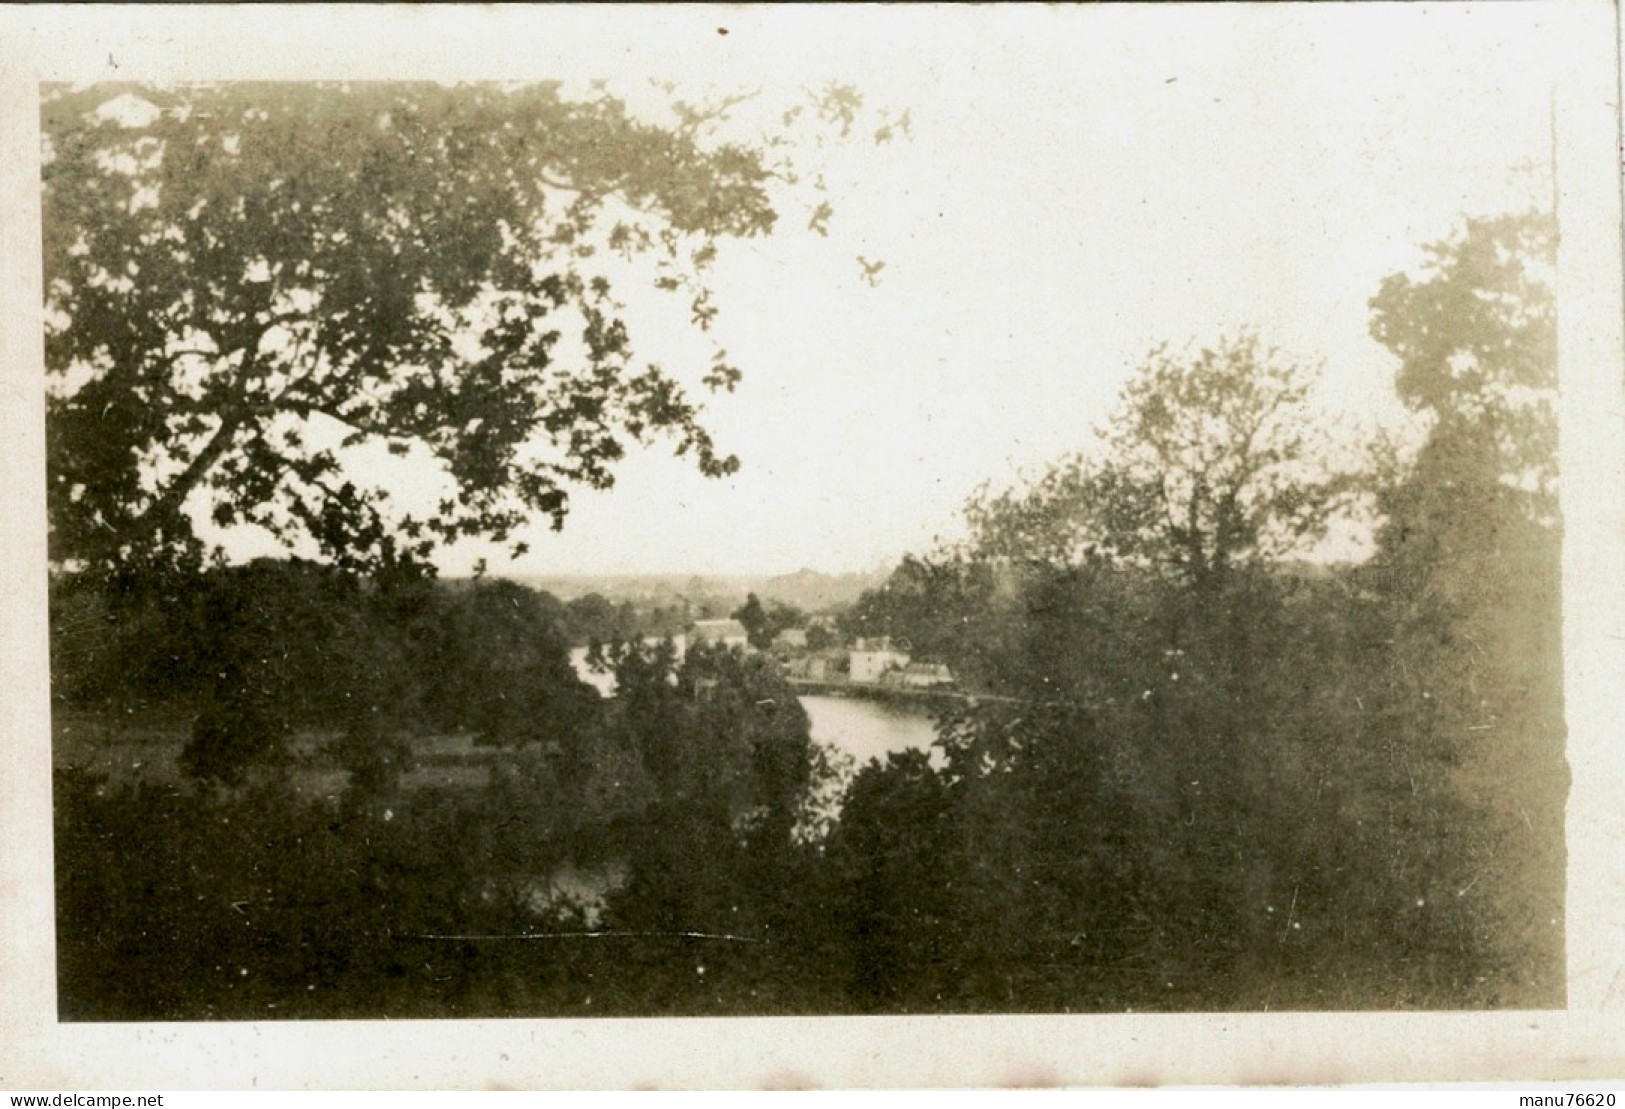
763	623
245	281
1470	553
1476	336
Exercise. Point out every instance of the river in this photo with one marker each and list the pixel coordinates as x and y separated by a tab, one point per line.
868	729
863	728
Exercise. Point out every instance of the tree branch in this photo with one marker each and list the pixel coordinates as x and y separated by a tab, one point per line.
234	417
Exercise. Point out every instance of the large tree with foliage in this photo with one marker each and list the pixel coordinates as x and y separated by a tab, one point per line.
763	623
1132	791
246	283
1211	460
1468	562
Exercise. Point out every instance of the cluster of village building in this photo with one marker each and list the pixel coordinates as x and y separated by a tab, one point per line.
877	661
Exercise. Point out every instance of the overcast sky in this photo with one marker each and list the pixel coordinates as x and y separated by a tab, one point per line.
1080	184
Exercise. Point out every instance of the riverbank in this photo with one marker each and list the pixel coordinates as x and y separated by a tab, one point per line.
866	691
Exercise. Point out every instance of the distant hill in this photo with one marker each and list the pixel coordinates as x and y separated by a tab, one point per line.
813	591
638	588
806	589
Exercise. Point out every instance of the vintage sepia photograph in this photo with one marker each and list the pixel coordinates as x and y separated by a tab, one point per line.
1069	520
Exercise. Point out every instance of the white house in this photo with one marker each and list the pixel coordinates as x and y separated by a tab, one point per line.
926	675
729	633
871	658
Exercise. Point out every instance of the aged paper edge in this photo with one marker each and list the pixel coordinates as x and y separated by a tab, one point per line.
192	42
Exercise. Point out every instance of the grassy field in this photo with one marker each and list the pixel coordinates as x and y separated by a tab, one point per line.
146	746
